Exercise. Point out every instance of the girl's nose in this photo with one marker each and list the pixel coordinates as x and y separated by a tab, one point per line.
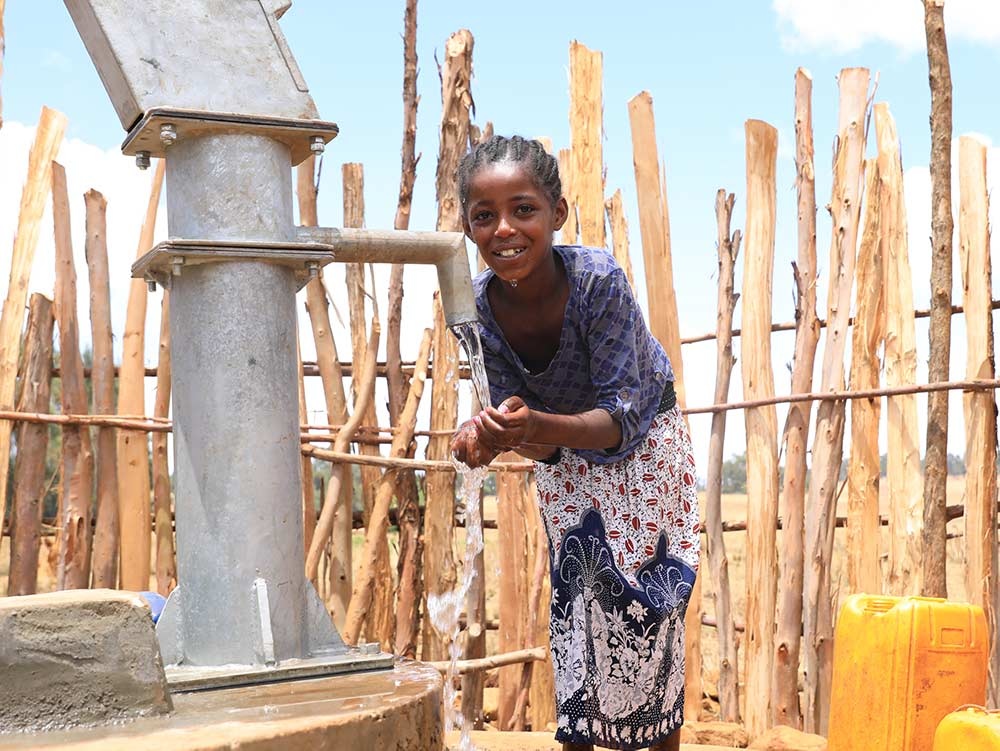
503	228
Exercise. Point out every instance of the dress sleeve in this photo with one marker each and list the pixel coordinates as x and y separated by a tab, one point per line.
614	335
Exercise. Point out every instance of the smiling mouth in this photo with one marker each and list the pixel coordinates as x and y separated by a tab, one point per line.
508	252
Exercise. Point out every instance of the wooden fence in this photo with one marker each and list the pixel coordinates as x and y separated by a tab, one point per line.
114	487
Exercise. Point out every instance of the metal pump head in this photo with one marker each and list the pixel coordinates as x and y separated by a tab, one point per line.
224	56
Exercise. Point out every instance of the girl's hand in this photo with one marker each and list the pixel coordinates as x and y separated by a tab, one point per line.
468	448
507	426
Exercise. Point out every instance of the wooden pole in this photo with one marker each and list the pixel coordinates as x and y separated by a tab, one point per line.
335	400
903	472
77	466
409	571
761	424
513	583
980	406
619	234
788	636
473	683
934	580
864	464
104	560
48	137
586	120
364	583
571	229
715	548
439	565
517	657
32	442
166	560
381	619
133	451
828	442
439	503
542	692
654	227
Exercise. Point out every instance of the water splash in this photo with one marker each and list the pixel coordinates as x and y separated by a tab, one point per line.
445	608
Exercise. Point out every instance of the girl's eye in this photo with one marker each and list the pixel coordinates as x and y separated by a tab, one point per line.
525	208
481	216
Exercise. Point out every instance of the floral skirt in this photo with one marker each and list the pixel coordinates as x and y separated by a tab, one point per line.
623	543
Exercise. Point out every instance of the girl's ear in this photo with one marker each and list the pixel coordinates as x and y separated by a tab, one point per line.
466	227
561	213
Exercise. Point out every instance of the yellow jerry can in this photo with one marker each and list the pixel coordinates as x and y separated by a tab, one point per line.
900	664
968	729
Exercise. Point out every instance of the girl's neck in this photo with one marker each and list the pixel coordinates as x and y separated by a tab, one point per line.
537	287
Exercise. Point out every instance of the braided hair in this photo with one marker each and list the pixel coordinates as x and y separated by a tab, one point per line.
541	166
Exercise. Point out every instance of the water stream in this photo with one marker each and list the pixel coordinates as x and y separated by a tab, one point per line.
444	609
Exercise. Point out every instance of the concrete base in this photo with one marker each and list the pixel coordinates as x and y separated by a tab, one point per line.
392	710
78	657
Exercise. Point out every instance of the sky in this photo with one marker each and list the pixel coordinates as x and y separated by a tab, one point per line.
709	67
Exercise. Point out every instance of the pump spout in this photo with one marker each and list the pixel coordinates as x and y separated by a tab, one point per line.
445	250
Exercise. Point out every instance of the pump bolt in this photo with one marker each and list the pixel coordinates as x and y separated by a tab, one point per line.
317	145
168	134
176	265
313	267
151	285
142	159
370	648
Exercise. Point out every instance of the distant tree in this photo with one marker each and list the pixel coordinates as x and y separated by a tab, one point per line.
734	474
956	465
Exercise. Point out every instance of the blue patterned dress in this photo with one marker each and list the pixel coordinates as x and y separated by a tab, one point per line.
623	524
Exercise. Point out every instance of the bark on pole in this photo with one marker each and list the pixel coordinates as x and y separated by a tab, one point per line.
715	548
903	471
788	636
166	559
619	234
77	465
864	464
410	544
133	450
934	580
586	119
335	401
980	406
48	137
761	423
32	442
654	228
104	560
361	597
828	443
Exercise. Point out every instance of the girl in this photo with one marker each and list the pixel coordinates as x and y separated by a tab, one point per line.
587	392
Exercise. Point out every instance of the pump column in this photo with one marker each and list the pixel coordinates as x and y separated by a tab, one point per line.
235	389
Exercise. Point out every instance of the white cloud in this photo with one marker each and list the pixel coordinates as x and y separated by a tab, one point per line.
845	25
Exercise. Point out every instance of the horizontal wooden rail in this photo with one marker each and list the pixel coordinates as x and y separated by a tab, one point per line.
495	661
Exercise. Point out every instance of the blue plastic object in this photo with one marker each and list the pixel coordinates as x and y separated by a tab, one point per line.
155	601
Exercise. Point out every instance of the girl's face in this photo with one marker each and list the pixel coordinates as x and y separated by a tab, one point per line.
511	220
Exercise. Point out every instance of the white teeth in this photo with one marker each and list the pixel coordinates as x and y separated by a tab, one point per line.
510	253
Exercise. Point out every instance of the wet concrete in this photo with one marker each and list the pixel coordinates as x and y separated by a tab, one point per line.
395	710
